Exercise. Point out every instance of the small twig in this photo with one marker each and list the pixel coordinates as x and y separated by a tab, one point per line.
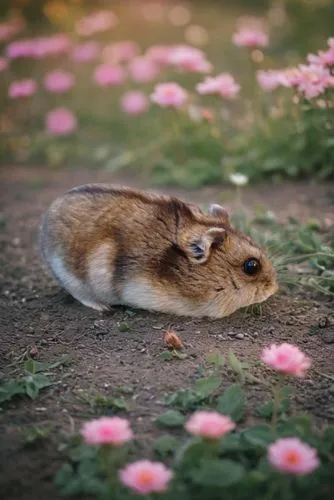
330	377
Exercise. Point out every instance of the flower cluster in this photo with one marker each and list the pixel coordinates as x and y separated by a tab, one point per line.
311	80
287	455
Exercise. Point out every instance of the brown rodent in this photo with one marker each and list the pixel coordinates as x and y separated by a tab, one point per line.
108	245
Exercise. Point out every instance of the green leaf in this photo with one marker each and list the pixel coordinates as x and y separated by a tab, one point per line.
185	399
166	356
216	359
208	385
259	436
165	445
10	389
109	402
124	326
230	443
328	438
300	425
218	473
232	402
34	383
33	366
266	410
171	418
190	453
236	365
63	476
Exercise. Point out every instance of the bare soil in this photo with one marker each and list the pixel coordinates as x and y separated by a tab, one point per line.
34	312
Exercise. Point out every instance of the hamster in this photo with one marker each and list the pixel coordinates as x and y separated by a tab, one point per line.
109	245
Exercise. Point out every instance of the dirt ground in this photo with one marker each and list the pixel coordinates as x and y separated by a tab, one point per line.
35	312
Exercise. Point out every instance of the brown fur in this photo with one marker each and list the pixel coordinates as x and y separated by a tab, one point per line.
149	236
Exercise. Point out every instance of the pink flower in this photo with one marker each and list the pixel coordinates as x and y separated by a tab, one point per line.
59	82
293	456
169	95
61	121
190	59
143	70
85	52
134	103
10	28
3	64
159	54
209	424
314	80
52	45
97	22
286	358
290	77
145	477
22	88
107	430
223	84
322	58
39	48
250	37
107	75
269	80
120	51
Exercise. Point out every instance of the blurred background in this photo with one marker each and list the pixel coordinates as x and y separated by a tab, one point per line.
76	80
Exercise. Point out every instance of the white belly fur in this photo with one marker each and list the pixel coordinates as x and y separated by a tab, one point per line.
77	288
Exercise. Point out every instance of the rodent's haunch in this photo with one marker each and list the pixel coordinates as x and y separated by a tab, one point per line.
108	245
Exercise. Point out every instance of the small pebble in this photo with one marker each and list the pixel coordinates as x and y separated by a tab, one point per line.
328	337
323	322
239	336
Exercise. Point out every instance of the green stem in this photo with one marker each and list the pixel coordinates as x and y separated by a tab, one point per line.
276	403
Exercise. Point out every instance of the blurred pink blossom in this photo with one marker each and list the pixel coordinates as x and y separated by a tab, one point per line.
61	121
96	22
22	88
114	431
223	84
10	28
39	48
250	37
3	64
53	45
209	424
292	456
59	82
290	77
287	359
269	80
169	95
120	51
322	58
107	75
145	477
143	70
159	54
85	52
21	48
134	102
314	80
189	58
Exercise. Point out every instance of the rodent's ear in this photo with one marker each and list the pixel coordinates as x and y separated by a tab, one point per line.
219	211
199	249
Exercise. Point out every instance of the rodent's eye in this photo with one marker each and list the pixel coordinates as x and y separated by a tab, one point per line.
251	267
